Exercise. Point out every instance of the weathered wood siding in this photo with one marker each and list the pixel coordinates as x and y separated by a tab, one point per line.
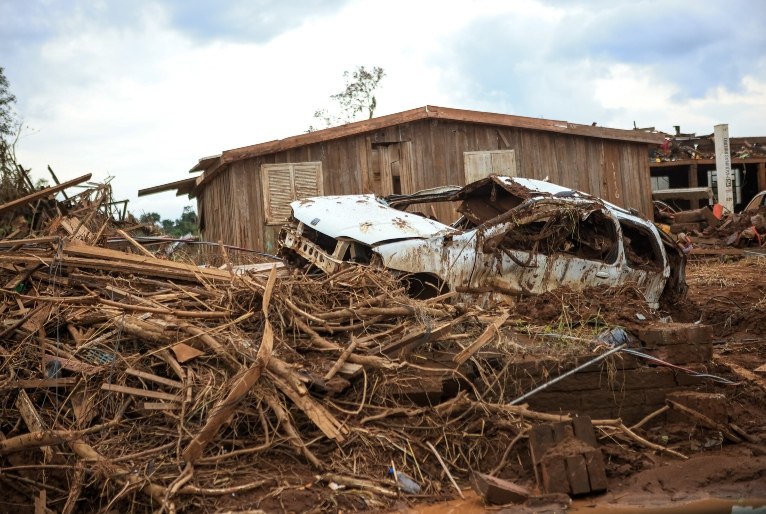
427	153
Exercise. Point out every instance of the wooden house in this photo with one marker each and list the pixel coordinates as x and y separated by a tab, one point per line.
243	195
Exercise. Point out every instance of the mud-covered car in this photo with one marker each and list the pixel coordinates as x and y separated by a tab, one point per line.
513	236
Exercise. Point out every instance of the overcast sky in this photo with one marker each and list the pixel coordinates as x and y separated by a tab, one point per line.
140	89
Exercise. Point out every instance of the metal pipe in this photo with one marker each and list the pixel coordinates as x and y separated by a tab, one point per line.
568	373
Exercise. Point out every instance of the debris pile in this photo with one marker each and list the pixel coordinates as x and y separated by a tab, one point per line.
709	234
681	147
138	383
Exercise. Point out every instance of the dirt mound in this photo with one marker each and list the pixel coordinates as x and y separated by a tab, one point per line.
624	306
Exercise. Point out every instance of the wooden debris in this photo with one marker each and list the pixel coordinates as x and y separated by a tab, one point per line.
33	420
241	387
184	352
213	376
496	491
140	392
9	206
489	333
743	373
705	421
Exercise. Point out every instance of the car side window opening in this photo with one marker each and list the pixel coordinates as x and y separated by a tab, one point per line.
641	251
591	238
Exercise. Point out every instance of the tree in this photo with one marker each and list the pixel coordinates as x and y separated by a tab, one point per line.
12	182
150	217
7	117
357	98
186	224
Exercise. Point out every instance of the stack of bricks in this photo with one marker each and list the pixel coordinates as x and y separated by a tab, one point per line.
621	386
566	457
678	343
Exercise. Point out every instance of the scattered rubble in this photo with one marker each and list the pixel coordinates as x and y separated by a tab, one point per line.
135	383
706	235
680	146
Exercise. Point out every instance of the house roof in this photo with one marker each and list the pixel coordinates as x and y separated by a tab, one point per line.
212	166
182	187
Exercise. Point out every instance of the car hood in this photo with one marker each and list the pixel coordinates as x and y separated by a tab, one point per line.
364	218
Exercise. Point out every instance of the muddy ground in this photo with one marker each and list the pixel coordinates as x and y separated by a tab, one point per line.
730	296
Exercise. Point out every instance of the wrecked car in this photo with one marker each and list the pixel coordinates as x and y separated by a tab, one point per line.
513	236
757	202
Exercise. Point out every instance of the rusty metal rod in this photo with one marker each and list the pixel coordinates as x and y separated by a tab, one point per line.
570	372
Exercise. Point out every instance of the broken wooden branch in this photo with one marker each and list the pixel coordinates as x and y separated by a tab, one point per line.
488	335
42	193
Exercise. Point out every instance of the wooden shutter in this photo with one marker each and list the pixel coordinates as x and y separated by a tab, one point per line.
285	183
277	192
479	165
307	179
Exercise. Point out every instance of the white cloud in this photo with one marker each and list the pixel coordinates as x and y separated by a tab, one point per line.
136	95
639	93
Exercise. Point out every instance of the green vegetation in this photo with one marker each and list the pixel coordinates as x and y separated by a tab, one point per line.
186	224
358	98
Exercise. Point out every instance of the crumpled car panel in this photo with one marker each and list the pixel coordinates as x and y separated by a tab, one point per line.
515	236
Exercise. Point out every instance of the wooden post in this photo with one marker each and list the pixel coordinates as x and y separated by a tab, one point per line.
761	175
693	183
723	167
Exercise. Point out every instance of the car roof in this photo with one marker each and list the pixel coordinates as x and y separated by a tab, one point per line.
370	220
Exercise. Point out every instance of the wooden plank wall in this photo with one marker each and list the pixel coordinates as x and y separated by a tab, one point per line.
614	170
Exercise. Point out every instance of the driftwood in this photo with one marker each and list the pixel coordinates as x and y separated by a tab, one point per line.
241	386
233	380
490	333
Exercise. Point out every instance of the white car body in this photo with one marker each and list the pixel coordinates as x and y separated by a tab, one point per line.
592	243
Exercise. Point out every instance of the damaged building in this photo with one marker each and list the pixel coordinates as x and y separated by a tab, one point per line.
684	167
244	194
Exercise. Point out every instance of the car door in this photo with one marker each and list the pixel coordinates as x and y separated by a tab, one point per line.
645	259
593	256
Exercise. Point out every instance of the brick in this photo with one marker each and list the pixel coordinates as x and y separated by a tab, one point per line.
630	415
555	401
683	353
554	473
561	431
594	461
649	378
577	475
540	439
623	361
655	398
583	430
600	413
663	334
712	405
597	399
581	381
